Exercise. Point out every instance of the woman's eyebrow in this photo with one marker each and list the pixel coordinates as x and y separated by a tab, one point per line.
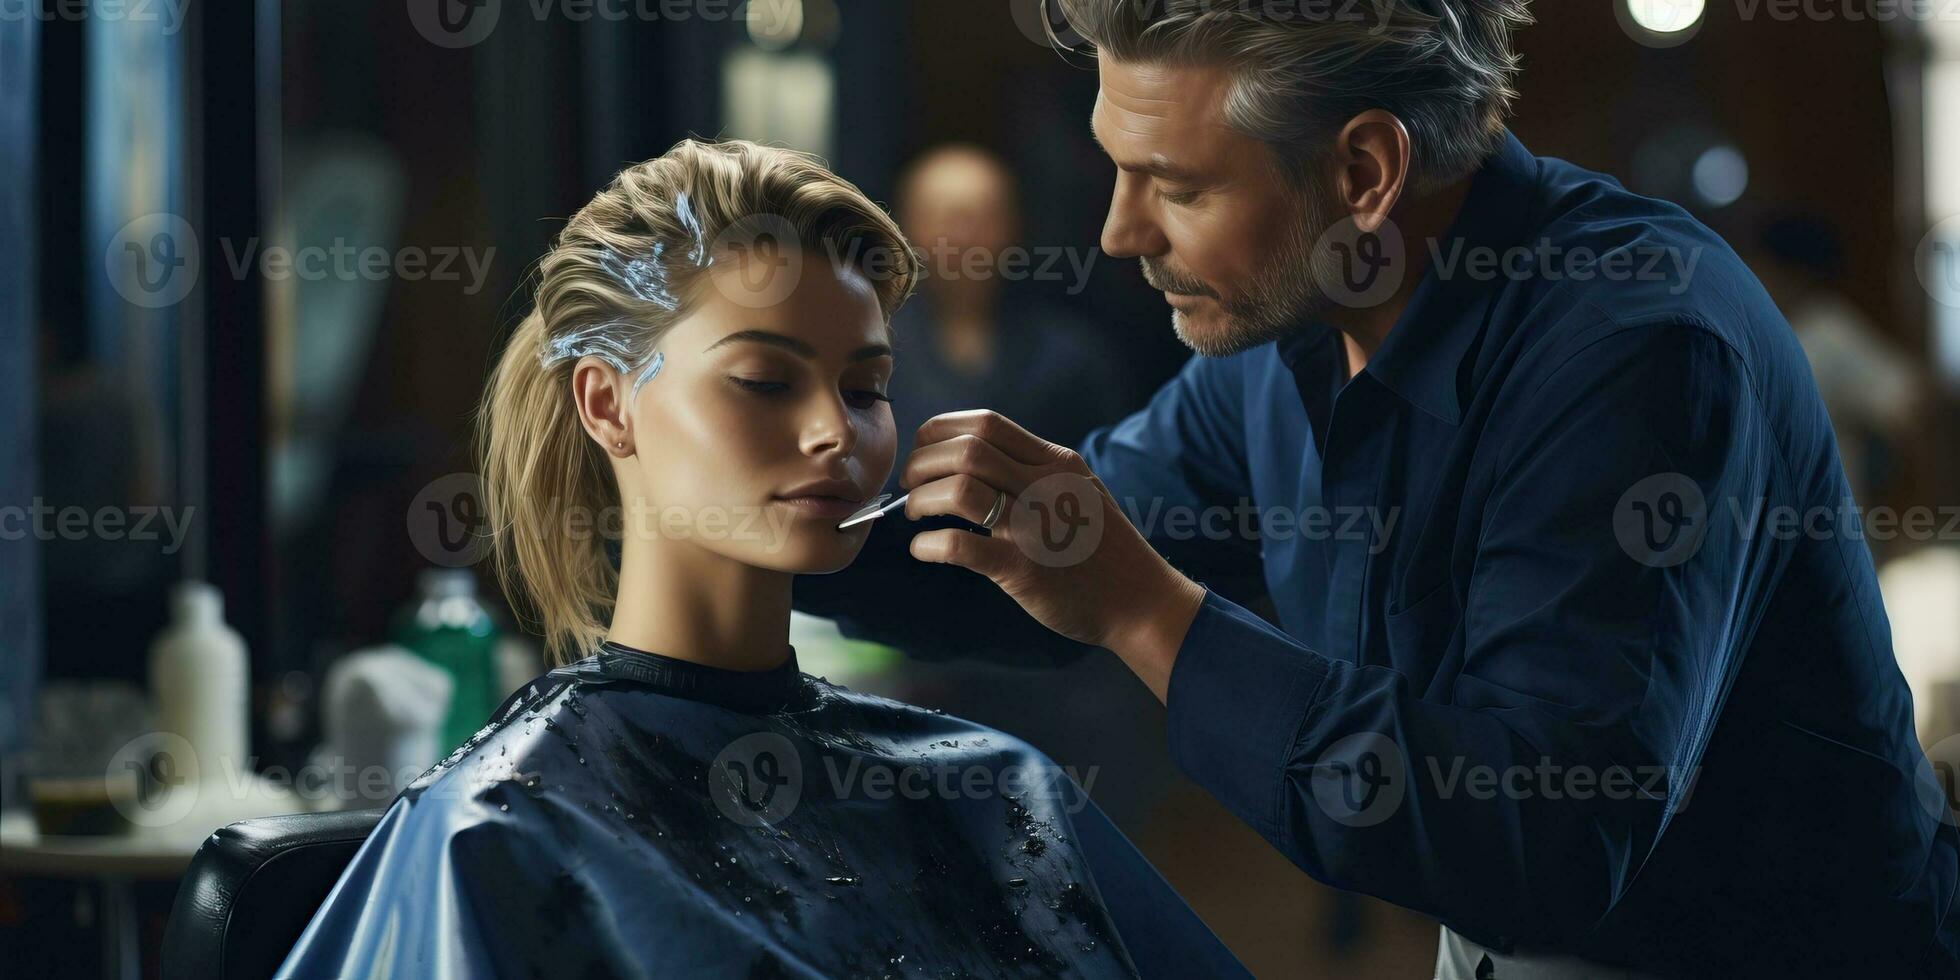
795	346
869	351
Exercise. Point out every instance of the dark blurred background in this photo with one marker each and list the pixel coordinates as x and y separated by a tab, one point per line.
288	427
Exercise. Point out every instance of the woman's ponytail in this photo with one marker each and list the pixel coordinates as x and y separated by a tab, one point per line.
538	467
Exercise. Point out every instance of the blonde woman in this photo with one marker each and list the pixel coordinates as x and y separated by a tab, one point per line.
703	380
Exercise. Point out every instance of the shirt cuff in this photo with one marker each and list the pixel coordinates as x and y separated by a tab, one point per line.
1238	693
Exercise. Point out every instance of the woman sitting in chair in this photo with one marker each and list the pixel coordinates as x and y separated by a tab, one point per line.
707	361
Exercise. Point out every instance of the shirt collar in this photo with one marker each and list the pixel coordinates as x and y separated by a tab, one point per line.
1420	358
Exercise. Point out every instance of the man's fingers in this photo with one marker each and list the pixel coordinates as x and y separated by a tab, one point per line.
959	495
1019	444
964	453
992	557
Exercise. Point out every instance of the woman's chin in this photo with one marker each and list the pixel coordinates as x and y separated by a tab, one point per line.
810	549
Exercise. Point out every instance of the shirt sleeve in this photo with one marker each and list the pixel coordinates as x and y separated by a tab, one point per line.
1520	804
1185	450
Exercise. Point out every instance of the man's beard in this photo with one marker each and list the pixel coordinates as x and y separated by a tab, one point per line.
1283	294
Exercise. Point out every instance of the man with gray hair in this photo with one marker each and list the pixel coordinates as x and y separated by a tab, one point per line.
1520	451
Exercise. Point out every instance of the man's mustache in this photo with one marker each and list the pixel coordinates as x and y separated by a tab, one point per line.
1161	278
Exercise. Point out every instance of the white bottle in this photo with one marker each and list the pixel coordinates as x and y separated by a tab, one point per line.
199	678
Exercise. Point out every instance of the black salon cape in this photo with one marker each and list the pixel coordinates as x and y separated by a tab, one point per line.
636	815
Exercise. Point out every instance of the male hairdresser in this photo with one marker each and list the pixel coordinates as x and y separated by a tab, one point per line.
1514	454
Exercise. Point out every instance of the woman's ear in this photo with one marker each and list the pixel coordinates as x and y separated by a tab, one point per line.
603	400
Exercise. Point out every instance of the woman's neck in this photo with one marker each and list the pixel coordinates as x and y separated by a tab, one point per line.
683	601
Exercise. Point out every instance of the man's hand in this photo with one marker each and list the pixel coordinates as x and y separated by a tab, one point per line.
1061	546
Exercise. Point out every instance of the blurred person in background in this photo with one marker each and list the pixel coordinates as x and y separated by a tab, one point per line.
1869	386
980	334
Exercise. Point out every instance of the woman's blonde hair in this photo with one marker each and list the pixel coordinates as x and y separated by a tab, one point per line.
621	273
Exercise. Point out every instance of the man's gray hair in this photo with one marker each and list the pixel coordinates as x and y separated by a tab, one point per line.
1302	68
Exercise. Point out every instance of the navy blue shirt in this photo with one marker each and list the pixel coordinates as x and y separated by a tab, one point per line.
1579	647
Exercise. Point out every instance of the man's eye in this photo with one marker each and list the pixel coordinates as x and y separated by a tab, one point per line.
1180	198
758	387
865	398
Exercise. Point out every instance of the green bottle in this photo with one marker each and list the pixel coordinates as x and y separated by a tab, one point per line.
449	628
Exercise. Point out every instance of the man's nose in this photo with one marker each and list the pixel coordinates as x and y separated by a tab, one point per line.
1131	228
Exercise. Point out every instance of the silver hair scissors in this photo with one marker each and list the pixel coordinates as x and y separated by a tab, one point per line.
874	509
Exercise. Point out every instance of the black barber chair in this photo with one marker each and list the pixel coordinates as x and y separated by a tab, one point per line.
253	887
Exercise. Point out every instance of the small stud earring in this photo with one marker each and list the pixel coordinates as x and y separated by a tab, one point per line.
619	445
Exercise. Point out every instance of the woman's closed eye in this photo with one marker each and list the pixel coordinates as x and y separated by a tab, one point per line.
859	398
758	386
865	397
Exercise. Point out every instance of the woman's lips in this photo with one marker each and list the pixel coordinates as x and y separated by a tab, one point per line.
826	507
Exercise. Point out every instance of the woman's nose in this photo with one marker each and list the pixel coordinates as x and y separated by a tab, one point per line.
829	428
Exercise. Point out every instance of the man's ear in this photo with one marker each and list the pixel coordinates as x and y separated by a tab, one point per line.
1372	158
603	397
